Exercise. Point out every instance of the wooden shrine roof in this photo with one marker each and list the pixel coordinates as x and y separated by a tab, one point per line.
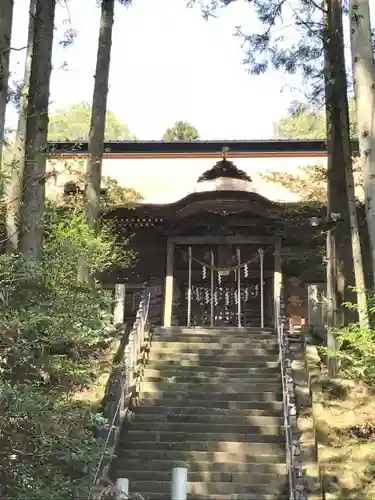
207	202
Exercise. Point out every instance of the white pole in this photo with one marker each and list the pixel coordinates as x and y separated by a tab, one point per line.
119	309
122	485
179	483
261	257
212	287
238	251
189	289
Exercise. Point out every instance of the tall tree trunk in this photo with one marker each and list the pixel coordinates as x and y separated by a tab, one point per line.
6	18
14	189
339	254
343	242
34	177
99	108
341	93
364	85
359	274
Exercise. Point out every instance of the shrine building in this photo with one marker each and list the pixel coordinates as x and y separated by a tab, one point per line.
213	257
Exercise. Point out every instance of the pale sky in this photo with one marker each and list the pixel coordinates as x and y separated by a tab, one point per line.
167	64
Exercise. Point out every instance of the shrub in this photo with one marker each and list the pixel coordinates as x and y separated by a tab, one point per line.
53	329
356	350
46	442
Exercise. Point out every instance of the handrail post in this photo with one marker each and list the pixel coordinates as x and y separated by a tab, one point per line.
179	483
261	259
122	486
131	355
288	409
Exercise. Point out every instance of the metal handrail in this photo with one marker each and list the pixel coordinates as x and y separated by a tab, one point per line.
132	351
286	404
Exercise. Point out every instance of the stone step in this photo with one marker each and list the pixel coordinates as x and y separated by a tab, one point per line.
243	352
153	402
275	486
227	387
214	348
211	401
196	377
269	454
213	376
205	477
218	397
122	466
247	496
211	364
167	438
254	447
197	418
201	330
214	429
214	342
212	357
202	476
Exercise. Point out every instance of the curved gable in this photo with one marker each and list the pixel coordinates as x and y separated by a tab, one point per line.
212	202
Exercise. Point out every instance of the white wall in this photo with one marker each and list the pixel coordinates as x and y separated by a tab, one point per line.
168	180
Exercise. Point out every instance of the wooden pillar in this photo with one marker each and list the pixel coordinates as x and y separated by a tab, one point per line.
168	288
119	309
277	279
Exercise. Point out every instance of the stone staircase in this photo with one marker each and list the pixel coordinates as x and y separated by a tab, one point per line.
210	401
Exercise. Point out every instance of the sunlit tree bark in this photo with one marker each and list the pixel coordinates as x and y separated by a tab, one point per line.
34	175
6	18
14	188
364	84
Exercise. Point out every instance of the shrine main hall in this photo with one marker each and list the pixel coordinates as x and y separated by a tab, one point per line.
214	257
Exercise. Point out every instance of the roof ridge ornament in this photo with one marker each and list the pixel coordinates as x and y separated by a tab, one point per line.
224	151
224	169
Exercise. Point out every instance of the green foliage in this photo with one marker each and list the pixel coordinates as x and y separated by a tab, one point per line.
74	169
301	122
53	333
68	234
268	47
181	131
47	444
298	53
73	124
357	353
119	195
309	183
297	214
357	346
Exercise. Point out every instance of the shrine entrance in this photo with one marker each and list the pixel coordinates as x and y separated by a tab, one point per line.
222	284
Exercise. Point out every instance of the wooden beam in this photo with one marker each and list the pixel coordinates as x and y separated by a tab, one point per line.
218	240
210	149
